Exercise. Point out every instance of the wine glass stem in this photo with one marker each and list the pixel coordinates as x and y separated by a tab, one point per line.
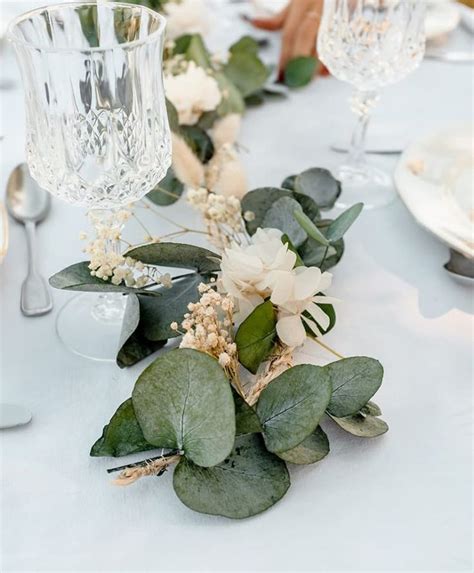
109	307
362	103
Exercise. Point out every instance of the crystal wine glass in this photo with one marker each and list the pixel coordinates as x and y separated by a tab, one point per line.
369	44
97	132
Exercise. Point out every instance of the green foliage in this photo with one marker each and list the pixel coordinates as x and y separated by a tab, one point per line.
256	336
247	482
122	435
246	71
320	185
311	450
341	225
176	255
246	419
309	227
300	71
354	381
282	215
291	406
364	424
199	142
168	190
134	345
183	401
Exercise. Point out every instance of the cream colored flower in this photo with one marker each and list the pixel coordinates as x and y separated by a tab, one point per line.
247	272
186	165
225	174
186	17
192	93
298	297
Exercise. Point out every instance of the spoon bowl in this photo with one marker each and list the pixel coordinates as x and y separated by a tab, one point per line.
26	200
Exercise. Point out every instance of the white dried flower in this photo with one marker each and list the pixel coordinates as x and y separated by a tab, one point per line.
192	93
225	174
186	17
186	165
226	130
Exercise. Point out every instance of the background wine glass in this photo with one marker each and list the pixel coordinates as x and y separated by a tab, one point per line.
369	44
97	132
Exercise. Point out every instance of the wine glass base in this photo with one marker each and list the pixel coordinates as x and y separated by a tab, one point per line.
367	184
85	329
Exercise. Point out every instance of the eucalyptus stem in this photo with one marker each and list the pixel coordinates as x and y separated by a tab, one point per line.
143	463
326	347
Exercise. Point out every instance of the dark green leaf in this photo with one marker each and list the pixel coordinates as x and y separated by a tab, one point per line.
246	483
246	71
168	190
78	277
315	255
157	318
361	425
311	450
281	215
122	435
259	201
291	406
246	419
176	255
300	71
310	228
183	400
199	141
207	120
354	381
134	346
246	44
197	51
181	44
172	116
256	336
339	226
255	99
289	182
331	313
232	100
320	185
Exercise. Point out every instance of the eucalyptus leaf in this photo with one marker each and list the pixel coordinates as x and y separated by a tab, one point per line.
168	190
311	450
256	336
122	435
354	381
314	254
134	346
289	182
173	305
246	419
291	406
259	201
361	425
320	185
78	277
245	44
197	51
281	215
300	71
247	482
183	401
199	142
339	226
310	228
371	409
233	102
173	118
176	255
246	71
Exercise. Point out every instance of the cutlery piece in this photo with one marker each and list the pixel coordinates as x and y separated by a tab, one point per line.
12	415
371	150
29	204
453	56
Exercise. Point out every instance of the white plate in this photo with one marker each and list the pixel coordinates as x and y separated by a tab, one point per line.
435	178
441	18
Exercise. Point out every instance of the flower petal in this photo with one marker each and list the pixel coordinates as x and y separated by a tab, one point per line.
312	325
319	315
306	282
291	331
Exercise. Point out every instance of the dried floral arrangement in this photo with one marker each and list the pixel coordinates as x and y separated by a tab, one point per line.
230	407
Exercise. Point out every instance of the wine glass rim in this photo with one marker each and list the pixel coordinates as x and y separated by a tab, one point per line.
12	37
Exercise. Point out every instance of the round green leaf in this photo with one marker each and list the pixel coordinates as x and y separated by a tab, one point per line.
361	425
354	381
311	450
291	406
320	185
259	201
122	435
300	71
183	401
168	190
281	215
247	482
246	419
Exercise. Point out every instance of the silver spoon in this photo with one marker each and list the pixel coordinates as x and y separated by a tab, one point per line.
29	204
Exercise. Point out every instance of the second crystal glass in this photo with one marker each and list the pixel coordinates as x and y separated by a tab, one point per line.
97	131
369	44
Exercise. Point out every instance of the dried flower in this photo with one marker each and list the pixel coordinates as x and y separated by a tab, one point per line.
226	130
225	174
186	165
186	17
192	92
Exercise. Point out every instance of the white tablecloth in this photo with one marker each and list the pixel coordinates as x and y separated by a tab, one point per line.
400	502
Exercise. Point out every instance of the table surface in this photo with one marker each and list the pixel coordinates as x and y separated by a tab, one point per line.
400	502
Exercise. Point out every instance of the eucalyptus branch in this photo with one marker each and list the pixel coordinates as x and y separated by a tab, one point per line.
152	466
